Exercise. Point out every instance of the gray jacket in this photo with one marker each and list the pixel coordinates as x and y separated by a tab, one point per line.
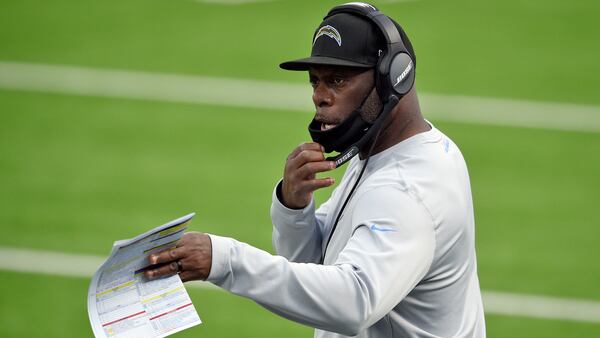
401	262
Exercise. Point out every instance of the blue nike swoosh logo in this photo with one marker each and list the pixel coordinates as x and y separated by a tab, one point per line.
376	228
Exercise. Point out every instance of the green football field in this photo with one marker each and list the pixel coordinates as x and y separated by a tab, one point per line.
80	171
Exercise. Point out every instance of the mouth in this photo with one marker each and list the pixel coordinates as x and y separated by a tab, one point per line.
327	126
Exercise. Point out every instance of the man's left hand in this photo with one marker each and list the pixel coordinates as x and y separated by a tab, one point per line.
191	258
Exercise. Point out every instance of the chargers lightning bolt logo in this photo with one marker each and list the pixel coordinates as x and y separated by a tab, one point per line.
331	32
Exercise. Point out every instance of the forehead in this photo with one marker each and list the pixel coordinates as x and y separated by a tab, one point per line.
327	70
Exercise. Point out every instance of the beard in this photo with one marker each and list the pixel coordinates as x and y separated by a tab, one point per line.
372	107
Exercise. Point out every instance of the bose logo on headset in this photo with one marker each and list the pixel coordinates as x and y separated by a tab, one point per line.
402	76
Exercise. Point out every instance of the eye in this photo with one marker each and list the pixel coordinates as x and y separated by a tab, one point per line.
313	82
338	80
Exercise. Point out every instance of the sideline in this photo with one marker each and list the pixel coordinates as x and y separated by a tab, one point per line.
502	303
246	93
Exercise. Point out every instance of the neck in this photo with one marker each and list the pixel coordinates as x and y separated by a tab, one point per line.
403	122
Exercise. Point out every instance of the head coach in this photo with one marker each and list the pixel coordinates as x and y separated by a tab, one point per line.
391	253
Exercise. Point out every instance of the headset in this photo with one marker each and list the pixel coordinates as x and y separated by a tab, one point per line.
394	78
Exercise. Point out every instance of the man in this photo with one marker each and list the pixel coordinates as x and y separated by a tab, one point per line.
391	253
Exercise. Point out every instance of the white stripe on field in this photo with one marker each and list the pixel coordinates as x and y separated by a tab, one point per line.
281	96
76	265
511	304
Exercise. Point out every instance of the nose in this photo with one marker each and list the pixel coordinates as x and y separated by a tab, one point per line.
322	96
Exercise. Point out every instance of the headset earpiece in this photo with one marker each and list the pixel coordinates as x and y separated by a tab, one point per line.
402	73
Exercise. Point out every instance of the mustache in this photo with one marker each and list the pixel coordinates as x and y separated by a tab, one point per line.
327	120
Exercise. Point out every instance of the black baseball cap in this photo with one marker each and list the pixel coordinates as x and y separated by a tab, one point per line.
346	39
342	39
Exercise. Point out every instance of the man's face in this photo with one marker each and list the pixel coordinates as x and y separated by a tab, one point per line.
338	91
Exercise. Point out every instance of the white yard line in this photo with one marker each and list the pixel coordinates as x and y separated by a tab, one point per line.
512	304
84	266
155	86
281	96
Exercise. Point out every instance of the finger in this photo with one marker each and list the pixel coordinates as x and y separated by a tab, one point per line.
166	255
306	146
318	183
304	157
165	270
185	239
311	168
187	276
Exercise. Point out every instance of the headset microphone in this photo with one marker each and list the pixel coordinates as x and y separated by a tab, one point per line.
354	149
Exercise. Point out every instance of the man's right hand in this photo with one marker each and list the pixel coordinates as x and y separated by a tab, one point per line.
299	177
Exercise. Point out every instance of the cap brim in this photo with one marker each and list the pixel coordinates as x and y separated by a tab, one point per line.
306	63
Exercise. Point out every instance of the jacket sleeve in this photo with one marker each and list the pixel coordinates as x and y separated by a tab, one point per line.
297	233
389	252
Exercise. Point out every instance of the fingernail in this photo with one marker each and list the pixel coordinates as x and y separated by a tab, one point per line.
149	274
332	164
331	181
322	149
153	259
